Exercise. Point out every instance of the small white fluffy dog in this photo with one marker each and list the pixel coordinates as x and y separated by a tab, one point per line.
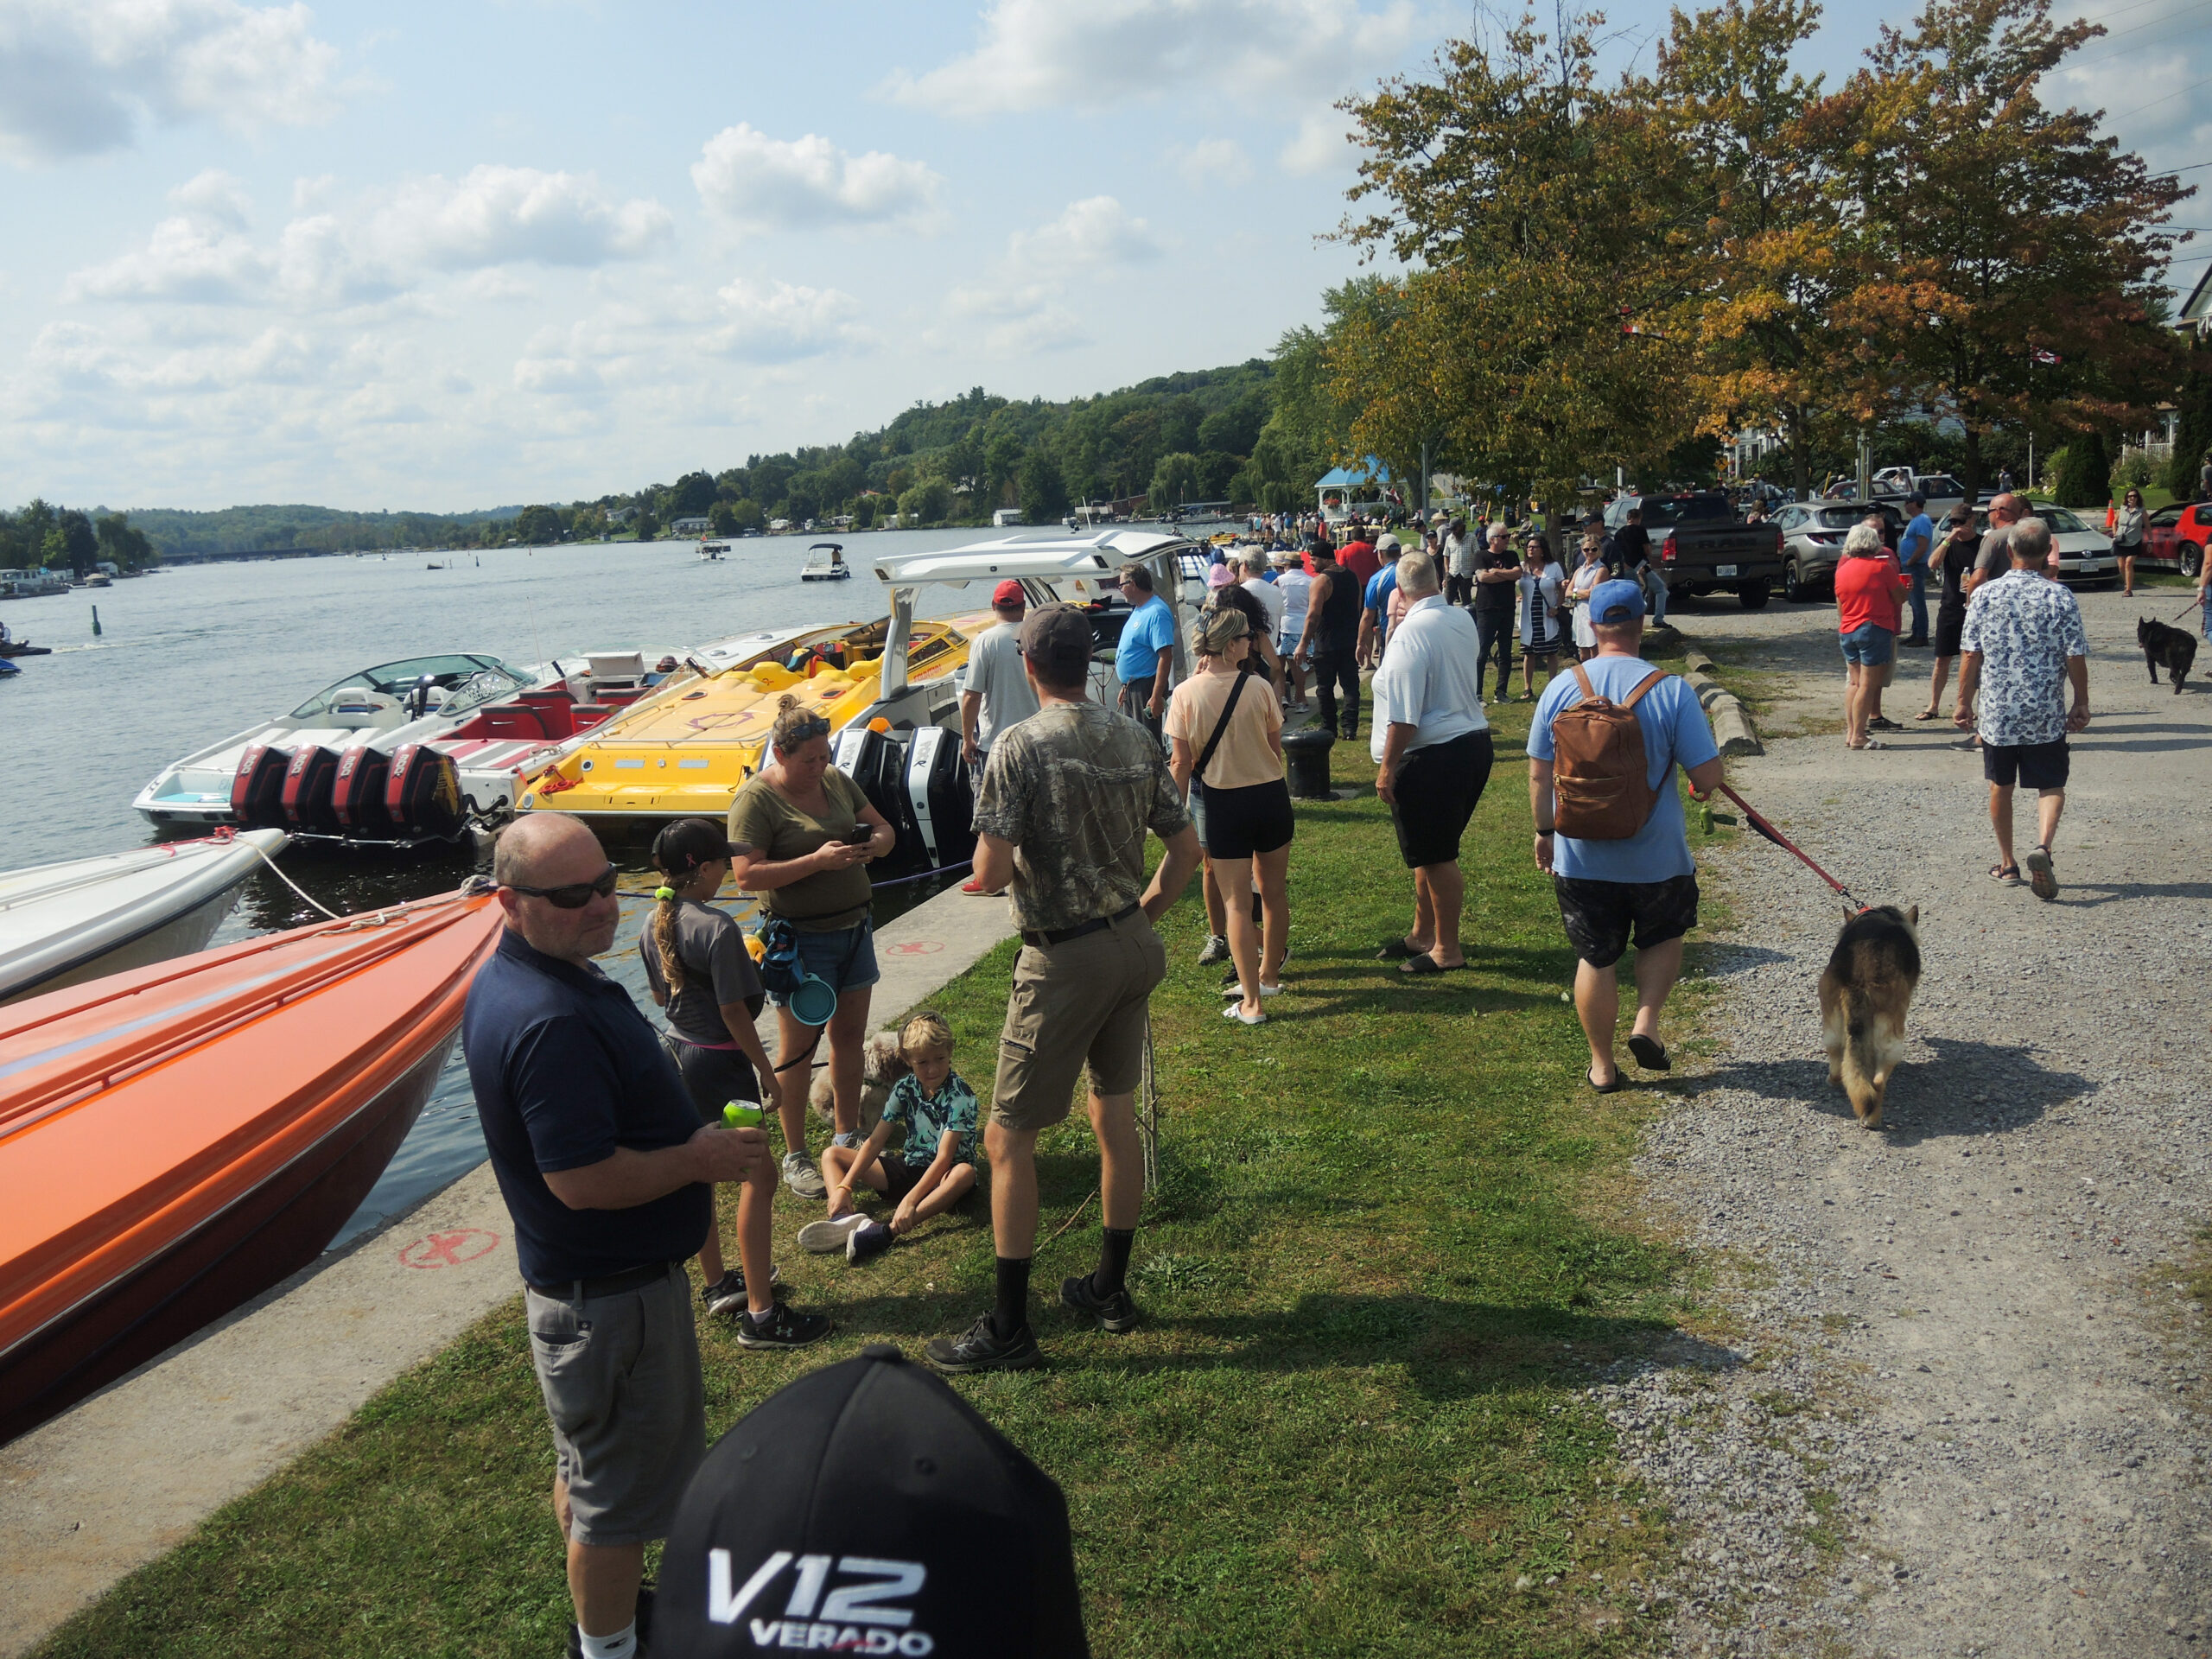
881	1065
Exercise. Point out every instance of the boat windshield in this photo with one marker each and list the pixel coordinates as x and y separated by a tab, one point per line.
468	682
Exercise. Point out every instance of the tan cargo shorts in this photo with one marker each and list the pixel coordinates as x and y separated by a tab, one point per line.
1083	1000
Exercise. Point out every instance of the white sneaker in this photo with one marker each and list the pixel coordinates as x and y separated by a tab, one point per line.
801	1176
828	1237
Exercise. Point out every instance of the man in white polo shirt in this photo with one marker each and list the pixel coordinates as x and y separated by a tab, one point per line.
1432	749
994	692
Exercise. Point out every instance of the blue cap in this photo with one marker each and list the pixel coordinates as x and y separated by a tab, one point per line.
1616	601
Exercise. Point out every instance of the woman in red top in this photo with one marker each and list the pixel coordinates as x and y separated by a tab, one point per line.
1868	592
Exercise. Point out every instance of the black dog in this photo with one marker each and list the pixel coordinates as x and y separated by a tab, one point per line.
2172	646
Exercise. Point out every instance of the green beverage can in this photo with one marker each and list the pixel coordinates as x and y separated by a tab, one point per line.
742	1115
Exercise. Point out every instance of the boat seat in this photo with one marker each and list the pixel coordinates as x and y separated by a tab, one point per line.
509	721
588	714
355	708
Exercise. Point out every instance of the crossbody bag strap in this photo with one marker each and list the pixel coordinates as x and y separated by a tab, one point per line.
1237	691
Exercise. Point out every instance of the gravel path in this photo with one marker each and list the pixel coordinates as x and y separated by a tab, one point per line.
1958	1405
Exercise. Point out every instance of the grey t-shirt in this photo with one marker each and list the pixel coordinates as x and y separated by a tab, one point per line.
1996	556
717	969
995	670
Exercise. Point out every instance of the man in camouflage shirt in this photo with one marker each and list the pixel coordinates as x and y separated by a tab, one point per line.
1067	796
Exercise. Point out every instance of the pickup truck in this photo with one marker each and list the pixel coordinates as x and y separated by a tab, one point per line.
1700	547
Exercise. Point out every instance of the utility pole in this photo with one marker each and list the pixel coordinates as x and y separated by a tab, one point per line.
1865	465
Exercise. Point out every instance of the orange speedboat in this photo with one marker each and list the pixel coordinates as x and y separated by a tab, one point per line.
175	1139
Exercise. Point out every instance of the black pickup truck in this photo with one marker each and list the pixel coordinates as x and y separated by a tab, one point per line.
1701	546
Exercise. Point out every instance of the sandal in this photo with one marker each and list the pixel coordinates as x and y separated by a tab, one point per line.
1618	1083
1397	950
2040	879
2007	873
1429	964
1650	1053
1929	713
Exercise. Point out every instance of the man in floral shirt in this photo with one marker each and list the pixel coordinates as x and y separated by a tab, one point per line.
2022	638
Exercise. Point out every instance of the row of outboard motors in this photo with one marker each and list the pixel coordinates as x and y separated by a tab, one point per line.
409	796
917	780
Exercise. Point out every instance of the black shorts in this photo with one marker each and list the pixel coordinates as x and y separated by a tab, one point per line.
1599	915
1949	625
1240	823
713	1077
904	1178
1437	789
2032	765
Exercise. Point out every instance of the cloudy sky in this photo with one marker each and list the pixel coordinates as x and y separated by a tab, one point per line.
444	255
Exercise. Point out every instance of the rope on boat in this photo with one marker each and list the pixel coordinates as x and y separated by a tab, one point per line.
358	921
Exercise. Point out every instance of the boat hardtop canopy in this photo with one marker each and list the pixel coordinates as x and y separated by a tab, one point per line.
466	678
1079	570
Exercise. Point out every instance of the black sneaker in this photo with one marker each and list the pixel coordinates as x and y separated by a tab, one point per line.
1883	723
871	1240
785	1327
726	1294
980	1348
1115	1313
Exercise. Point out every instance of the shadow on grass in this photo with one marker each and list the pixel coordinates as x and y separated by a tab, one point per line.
1925	1102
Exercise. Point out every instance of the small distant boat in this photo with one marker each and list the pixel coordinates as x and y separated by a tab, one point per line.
434	566
825	562
175	1140
8	670
61	925
711	552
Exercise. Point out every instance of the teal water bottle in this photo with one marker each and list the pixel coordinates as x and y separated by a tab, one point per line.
742	1115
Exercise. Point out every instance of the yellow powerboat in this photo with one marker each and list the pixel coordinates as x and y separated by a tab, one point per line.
685	751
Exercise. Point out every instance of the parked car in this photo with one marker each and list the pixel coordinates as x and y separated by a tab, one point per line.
2084	554
1812	542
2178	535
1701	546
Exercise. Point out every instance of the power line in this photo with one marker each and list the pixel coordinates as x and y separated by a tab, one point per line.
2155	102
2106	57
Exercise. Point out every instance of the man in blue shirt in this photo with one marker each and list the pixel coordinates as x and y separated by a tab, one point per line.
607	1171
1913	547
1375	603
1144	661
1647	883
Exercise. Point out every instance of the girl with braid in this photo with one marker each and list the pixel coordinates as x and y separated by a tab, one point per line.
700	972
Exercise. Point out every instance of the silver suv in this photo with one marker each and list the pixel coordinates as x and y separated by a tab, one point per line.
1812	542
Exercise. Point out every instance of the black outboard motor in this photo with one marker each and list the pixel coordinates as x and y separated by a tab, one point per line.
257	787
940	797
308	781
357	794
421	795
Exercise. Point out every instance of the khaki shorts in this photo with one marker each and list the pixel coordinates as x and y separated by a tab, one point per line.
1083	1000
621	1381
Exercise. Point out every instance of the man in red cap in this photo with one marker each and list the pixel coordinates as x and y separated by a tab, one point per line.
995	693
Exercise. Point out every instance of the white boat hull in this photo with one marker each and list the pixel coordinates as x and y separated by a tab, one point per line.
61	925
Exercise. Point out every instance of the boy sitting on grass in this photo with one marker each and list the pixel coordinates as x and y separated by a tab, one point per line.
935	1170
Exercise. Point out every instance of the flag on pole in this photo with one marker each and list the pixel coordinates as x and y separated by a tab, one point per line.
2048	360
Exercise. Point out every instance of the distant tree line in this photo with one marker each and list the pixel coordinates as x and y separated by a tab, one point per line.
45	537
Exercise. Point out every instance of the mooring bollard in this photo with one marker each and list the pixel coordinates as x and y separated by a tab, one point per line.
1307	752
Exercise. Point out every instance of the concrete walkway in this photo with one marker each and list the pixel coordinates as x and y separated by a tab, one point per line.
108	1486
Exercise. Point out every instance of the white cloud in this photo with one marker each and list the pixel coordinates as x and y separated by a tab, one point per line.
78	77
762	183
1052	55
1319	145
1210	160
1092	234
502	215
777	322
381	245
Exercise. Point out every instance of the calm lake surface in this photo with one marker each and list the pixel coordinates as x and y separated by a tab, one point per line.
193	654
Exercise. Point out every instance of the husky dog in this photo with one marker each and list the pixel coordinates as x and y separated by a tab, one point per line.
1865	993
2174	647
881	1065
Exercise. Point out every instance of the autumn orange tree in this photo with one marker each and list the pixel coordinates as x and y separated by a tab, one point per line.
1769	244
1536	207
2010	253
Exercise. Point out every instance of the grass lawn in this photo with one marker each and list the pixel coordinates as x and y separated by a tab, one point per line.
1391	1242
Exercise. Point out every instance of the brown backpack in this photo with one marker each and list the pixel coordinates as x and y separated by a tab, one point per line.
1599	767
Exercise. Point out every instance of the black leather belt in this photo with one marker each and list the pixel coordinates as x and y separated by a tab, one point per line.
1062	935
576	1290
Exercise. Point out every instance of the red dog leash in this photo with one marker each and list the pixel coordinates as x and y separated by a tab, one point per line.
1751	818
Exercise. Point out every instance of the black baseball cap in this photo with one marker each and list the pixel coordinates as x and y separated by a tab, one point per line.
1057	639
683	846
868	1499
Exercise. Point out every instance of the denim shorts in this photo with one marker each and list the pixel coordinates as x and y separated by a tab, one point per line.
843	959
1867	645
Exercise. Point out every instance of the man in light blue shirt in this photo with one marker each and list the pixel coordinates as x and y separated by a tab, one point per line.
1432	749
1144	662
1913	547
1648	882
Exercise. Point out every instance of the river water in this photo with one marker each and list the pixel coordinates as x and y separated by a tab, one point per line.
192	654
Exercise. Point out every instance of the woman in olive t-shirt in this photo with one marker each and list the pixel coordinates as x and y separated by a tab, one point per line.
812	836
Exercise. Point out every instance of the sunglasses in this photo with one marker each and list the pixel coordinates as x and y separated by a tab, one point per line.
575	895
